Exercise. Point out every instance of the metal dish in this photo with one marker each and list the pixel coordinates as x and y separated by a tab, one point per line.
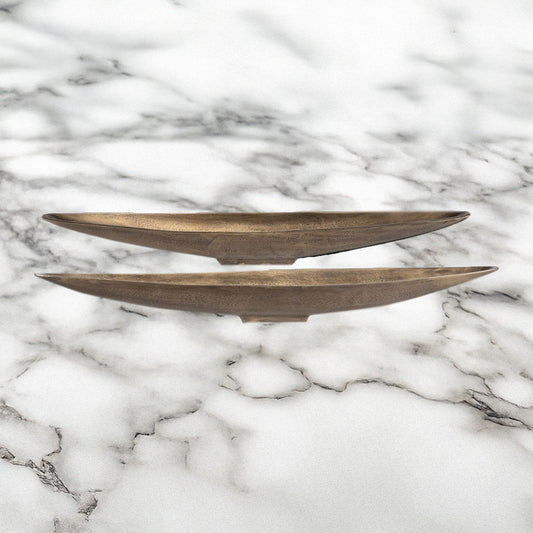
258	238
271	295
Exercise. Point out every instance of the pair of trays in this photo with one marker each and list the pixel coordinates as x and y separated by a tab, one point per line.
265	238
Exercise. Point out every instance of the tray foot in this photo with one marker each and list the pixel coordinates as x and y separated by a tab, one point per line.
276	318
280	261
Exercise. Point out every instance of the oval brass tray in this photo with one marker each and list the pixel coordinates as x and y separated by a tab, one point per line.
271	295
258	238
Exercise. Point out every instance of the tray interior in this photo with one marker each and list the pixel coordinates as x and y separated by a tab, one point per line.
255	222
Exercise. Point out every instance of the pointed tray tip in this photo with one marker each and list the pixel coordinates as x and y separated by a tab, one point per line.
52	278
484	270
460	215
53	217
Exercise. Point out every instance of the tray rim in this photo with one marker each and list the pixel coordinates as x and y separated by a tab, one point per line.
453	216
138	278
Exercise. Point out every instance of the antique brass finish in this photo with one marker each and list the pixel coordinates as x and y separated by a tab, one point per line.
271	295
258	238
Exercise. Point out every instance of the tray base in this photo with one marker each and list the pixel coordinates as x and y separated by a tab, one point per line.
276	318
274	261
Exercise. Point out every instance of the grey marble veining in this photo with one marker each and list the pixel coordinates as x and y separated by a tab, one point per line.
412	417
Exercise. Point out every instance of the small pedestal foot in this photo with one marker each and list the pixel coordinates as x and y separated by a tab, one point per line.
276	318
279	261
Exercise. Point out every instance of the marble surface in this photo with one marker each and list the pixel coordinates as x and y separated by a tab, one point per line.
416	417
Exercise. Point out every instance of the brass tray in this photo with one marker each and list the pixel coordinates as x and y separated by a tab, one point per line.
258	238
271	295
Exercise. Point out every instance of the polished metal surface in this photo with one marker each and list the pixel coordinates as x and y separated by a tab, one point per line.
258	238
271	295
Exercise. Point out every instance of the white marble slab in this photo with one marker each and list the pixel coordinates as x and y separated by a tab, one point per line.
415	417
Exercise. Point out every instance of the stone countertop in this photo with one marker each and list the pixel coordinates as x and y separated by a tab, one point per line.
415	417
